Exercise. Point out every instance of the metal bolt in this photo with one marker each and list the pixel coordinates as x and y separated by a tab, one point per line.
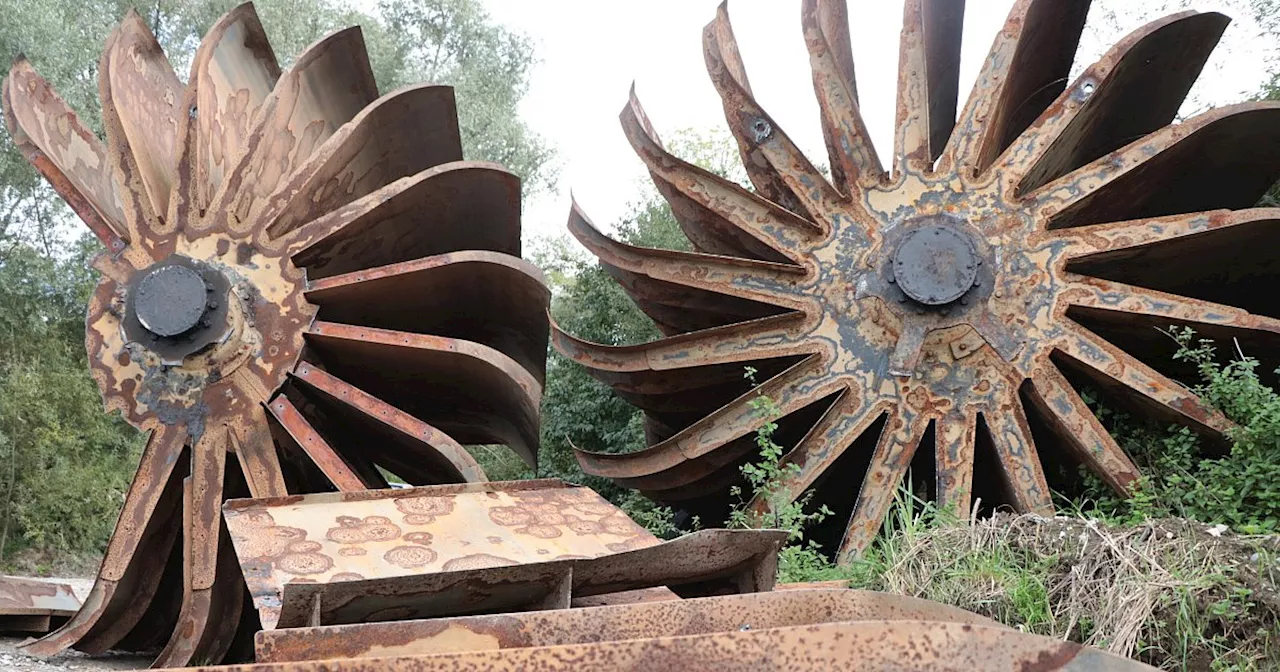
762	129
964	301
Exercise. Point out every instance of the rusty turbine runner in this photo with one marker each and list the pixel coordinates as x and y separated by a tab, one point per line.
304	282
918	309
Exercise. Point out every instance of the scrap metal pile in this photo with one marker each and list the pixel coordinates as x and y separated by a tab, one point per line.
306	288
304	284
939	310
542	575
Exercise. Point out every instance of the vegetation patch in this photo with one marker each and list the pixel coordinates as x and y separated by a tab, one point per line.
1173	593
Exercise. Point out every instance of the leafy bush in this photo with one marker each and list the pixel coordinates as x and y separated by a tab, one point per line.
769	503
66	463
1240	488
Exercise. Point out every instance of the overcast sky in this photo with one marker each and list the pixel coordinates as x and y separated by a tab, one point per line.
591	51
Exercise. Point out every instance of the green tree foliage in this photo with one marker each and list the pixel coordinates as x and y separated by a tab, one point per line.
587	302
66	463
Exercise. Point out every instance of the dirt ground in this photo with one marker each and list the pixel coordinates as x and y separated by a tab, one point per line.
11	659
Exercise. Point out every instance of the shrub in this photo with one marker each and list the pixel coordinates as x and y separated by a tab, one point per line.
1240	488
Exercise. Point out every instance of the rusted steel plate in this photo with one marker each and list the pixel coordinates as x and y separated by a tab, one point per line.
867	645
203	193
408	447
31	606
335	468
446	295
389	533
656	594
464	205
918	307
489	590
472	392
673	618
711	561
485	590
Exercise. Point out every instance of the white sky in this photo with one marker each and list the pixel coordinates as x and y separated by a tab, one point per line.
590	51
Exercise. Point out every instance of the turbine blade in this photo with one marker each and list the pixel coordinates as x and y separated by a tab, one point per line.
233	73
954	437
140	99
398	135
928	81
1133	90
1225	158
1025	71
717	215
65	152
1011	436
898	442
326	87
849	148
778	169
462	205
1078	428
414	449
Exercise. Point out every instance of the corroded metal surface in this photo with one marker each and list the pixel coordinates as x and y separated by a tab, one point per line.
706	562
31	606
905	312
866	645
217	202
672	618
346	537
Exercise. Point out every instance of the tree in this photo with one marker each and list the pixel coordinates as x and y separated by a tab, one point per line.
454	41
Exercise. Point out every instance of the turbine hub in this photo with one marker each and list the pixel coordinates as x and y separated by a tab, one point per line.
936	264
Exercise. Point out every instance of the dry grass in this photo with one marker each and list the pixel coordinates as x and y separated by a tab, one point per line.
1173	593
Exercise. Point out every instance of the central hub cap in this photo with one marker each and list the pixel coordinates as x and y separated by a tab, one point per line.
178	307
935	264
171	300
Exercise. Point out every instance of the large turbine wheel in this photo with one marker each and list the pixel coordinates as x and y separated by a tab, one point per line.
305	285
920	312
